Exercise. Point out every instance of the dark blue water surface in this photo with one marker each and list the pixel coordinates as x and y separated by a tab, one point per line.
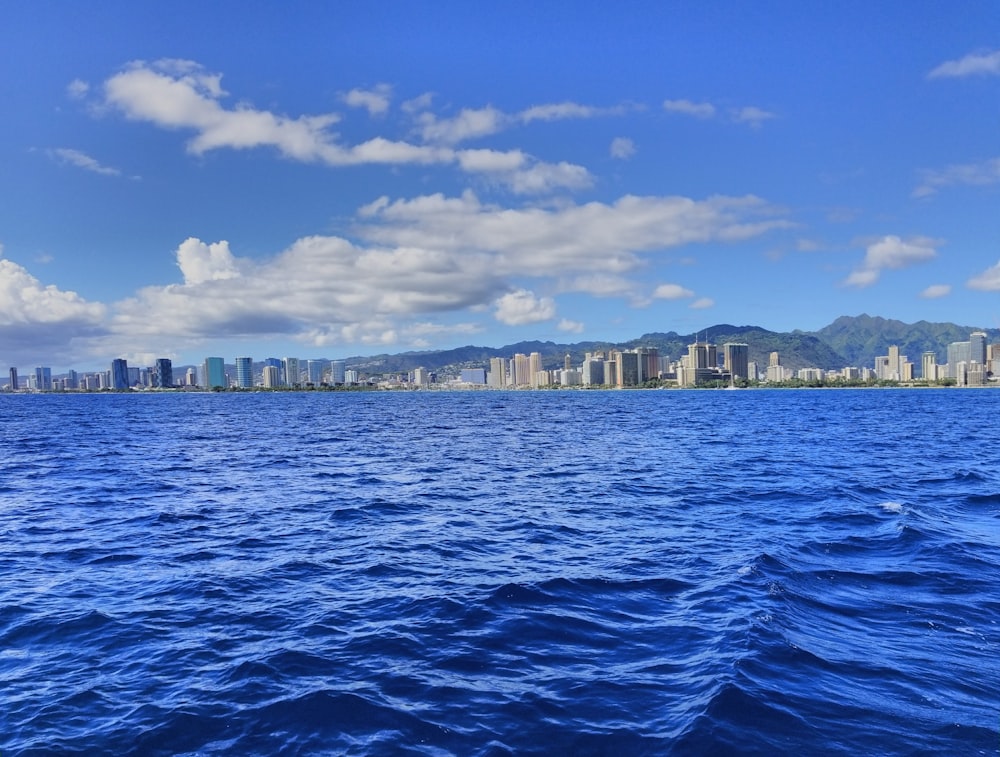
490	573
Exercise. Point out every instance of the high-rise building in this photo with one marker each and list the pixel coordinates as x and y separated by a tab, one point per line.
337	369
292	377
244	372
119	374
14	385
534	369
163	373
498	372
421	377
279	365
43	378
73	381
213	373
977	347
271	377
958	352
928	366
473	375
737	357
314	371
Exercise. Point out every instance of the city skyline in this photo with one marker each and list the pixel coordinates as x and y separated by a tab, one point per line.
357	180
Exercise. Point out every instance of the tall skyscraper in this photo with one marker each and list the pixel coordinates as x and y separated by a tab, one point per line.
244	372
43	378
337	368
928	366
292	377
737	357
977	347
498	372
279	365
271	377
163	373
314	371
14	385
119	373
213	373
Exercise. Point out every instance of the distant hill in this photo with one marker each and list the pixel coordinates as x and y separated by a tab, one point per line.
860	339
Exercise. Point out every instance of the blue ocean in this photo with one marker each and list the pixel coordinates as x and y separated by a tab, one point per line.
501	573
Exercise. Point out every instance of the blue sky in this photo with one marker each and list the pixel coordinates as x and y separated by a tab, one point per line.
333	179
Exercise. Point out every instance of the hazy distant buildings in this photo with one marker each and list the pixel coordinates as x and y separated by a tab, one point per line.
314	371
14	385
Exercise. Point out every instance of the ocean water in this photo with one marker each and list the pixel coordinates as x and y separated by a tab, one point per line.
493	573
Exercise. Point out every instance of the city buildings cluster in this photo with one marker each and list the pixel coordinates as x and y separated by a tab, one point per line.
970	363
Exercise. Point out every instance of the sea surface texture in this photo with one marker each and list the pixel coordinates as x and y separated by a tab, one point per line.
493	573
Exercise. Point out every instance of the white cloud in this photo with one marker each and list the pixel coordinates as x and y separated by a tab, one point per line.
890	252
969	174
522	307
200	262
375	101
79	159
470	123
702	303
689	108
182	95
594	237
560	111
573	327
622	148
39	320
418	104
974	64
671	292
752	115
987	281
77	89
599	285
936	290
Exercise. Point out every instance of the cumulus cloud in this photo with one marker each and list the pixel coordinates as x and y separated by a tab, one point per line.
522	307
573	327
973	64
68	156
987	281
39	319
671	292
470	123
200	262
593	237
689	108
375	101
969	174
890	252
622	148
752	115
936	290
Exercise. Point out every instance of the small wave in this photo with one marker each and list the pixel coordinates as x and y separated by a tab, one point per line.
892	507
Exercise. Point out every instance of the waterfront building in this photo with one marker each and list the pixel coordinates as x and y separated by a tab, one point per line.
977	347
498	373
928	366
421	377
753	370
520	374
14	385
569	377
271	377
473	375
292	377
567	362
627	369
314	371
244	372
958	352
213	373
279	365
593	371
119	374
163	373
535	369
43	378
337	369
72	380
737	359
351	377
